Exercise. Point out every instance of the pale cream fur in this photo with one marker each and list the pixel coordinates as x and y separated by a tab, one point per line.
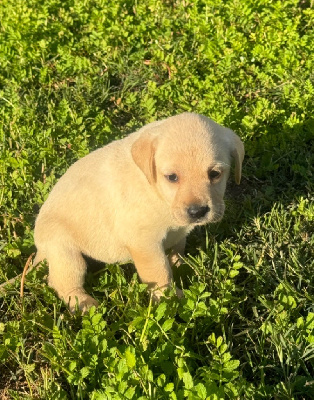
117	204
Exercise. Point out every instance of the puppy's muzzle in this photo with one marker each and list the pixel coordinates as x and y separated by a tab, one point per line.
196	212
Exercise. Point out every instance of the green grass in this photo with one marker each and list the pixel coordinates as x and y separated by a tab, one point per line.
75	75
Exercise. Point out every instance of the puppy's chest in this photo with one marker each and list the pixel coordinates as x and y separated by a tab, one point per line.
174	236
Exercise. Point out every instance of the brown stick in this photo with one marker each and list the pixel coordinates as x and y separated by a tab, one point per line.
24	274
11	281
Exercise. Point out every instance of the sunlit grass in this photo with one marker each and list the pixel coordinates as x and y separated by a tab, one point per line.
75	75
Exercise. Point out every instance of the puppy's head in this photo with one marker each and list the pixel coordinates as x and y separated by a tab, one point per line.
187	159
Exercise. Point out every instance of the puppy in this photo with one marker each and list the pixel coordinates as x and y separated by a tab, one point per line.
134	199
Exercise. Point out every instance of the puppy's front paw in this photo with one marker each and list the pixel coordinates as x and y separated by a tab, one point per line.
179	293
159	292
80	300
175	260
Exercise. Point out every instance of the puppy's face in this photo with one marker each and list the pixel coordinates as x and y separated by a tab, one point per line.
187	161
193	187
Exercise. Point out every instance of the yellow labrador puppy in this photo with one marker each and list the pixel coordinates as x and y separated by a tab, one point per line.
135	198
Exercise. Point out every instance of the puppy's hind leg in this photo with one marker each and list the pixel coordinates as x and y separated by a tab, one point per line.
67	269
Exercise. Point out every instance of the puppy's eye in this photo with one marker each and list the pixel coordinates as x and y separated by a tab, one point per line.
172	177
213	174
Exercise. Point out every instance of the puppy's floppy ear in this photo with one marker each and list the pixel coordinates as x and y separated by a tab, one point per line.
237	152
143	153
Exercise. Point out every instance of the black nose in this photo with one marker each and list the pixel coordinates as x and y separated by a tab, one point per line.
195	211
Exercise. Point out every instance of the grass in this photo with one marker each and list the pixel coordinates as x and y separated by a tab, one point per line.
75	75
